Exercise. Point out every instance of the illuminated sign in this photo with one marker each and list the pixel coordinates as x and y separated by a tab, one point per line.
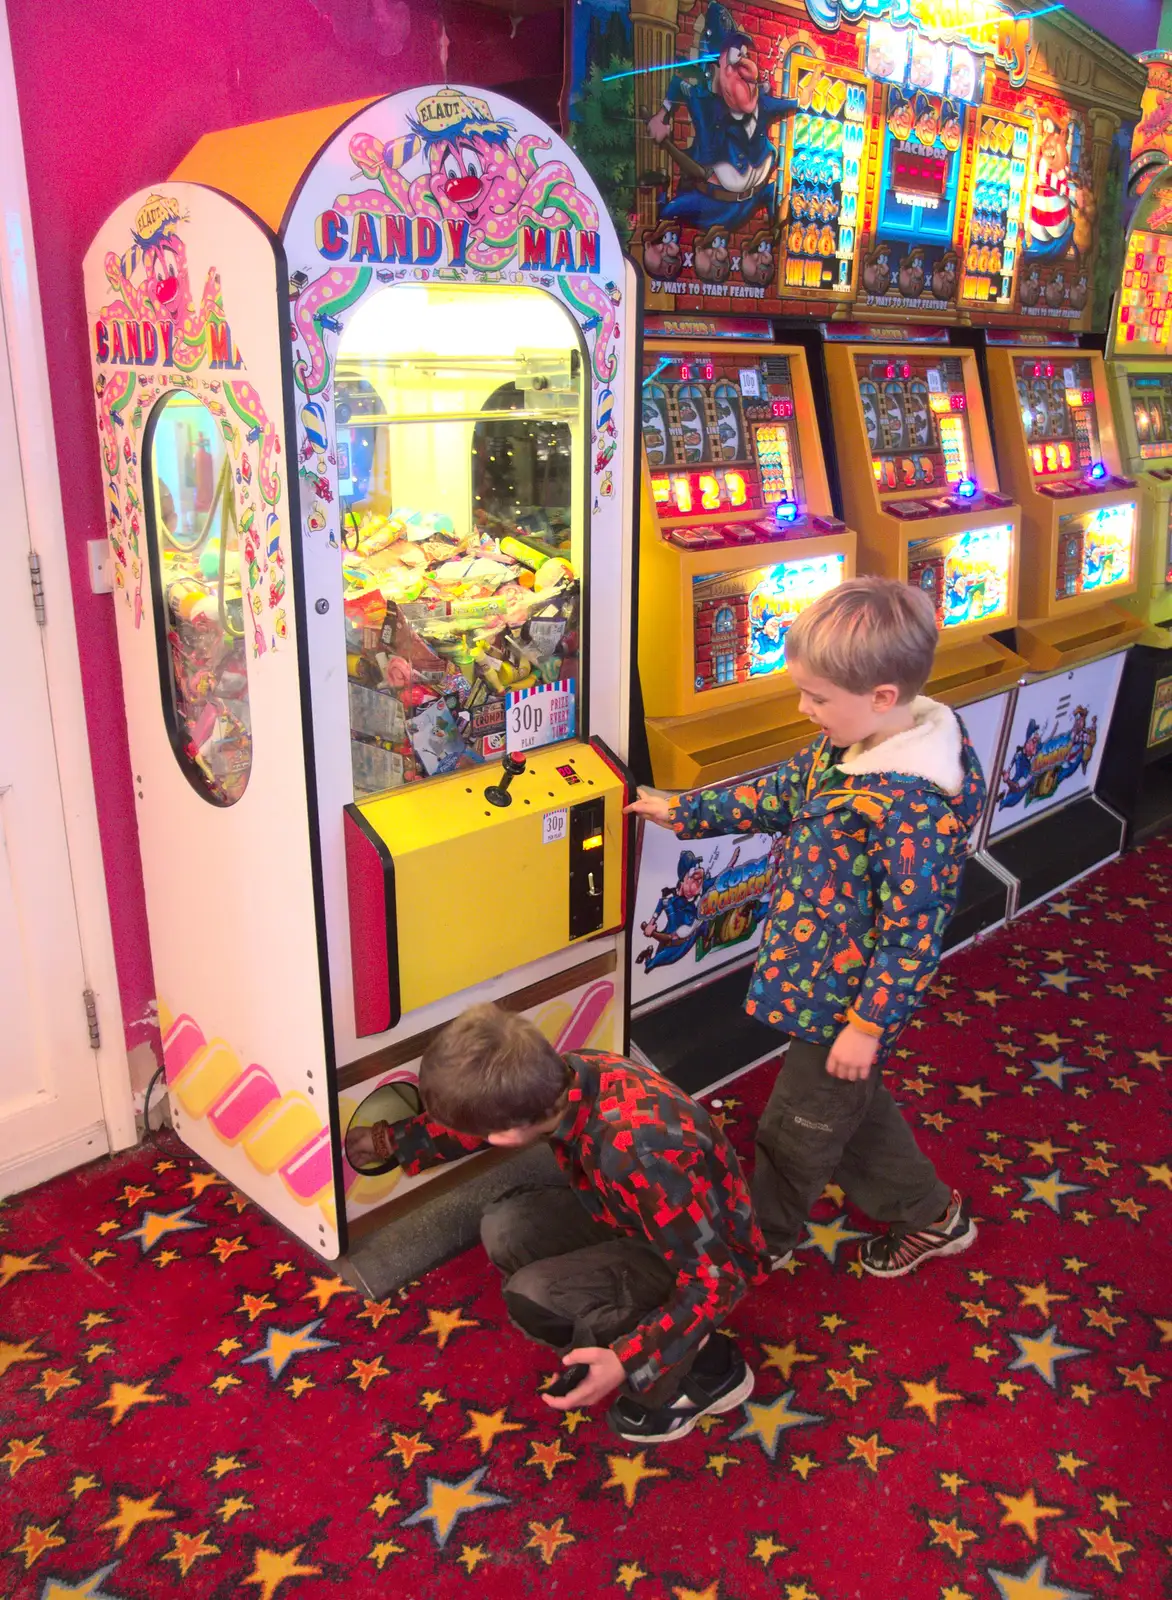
981	25
681	493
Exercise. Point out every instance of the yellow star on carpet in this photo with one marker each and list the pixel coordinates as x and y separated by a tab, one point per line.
629	1574
222	1465
165	1258
1161	1174
975	1093
94	1319
1008	1390
270	1569
282	1344
20	1452
1163	1323
1083	1392
225	1249
935	1119
1099	1317
54	1379
365	1372
765	1548
1046	1151
382	1552
82	1484
803	1465
926	1397
226	1381
470	1557
123	1397
10	1354
1042	1354
382	1503
431	1398
134	1194
446	1503
444	1323
798	1591
93	1351
719	1463
1037	1296
1103	1547
485	1428
232	1507
407	1446
869	1451
828	1236
711	1593
985	1352
848	1381
133	1514
188	1548
629	1472
13	1266
281	1269
226	1347
954	1593
256	1305
1023	1511
156	1225
1129	1208
833	1322
377	1311
783	1358
1138	1377
953	1482
951	1535
860	1352
1110	1503
767	1423
573	1420
109	1226
323	1290
297	1386
33	1544
199	1181
548	1540
548	1455
1152	1058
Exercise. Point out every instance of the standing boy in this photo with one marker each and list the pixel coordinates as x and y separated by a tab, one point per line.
875	815
632	1267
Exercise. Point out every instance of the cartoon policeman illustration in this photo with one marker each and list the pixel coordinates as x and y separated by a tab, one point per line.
679	908
730	169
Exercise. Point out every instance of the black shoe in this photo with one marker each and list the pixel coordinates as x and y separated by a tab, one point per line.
892	1254
700	1395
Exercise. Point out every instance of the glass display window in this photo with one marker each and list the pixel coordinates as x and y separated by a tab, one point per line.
966	575
461	421
1058	413
1151	410
915	411
1096	549
195	568
741	618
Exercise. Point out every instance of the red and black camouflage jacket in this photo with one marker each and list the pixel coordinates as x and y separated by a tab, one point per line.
650	1163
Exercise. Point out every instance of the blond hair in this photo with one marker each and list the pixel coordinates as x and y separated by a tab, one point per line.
867	632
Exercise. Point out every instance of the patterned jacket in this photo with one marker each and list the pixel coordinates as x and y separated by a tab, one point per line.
648	1162
868	874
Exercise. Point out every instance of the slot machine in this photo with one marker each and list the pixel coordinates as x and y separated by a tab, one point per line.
368	477
1057	447
737	537
920	484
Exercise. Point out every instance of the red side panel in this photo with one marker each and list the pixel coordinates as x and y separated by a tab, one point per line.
369	953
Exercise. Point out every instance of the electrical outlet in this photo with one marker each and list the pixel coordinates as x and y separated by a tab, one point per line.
101	577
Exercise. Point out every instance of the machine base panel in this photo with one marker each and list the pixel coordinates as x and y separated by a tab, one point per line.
1061	846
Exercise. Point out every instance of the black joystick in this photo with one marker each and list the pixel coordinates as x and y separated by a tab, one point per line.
497	794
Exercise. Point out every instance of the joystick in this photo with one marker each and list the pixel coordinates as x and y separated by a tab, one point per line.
497	794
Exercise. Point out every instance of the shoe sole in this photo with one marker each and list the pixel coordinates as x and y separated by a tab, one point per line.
952	1248
729	1402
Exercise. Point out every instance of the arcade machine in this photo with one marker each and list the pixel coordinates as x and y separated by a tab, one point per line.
364	477
1137	762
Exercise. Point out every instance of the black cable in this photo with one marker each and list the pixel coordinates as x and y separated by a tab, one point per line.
146	1104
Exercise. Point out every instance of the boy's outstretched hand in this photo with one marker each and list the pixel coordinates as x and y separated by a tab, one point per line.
852	1054
654	807
606	1373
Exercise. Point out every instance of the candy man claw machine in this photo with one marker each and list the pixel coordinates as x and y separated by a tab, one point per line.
363	417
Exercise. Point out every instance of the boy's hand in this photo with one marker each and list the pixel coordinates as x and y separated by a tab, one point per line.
852	1054
606	1373
655	807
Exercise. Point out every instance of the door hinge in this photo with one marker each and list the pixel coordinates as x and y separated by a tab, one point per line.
38	583
91	1016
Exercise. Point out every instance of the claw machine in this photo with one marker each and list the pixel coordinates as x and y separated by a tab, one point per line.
362	391
1137	763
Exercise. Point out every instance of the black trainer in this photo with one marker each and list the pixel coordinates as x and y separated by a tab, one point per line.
894	1253
703	1393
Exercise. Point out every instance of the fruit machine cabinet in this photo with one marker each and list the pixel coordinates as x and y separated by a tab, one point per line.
920	484
363	407
1137	763
1080	512
737	536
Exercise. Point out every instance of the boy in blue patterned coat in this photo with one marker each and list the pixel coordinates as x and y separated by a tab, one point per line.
875	815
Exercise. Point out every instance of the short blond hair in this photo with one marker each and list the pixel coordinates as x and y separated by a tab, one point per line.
867	632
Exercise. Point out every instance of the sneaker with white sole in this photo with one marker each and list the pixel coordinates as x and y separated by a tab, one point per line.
776	1263
894	1253
700	1396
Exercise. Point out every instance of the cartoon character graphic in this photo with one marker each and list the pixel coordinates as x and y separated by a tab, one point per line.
1055	290
729	170
944	276
675	924
1062	203
662	256
757	258
1043	763
911	274
710	255
1031	289
877	271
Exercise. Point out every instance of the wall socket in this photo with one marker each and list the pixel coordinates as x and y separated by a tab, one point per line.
101	574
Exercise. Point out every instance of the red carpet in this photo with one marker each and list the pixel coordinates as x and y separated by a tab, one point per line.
190	1404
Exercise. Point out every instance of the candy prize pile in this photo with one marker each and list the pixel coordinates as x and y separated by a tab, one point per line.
441	627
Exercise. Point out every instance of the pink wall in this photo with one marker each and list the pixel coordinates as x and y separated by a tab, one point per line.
112	95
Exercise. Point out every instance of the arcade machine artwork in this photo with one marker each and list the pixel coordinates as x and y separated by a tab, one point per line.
456	305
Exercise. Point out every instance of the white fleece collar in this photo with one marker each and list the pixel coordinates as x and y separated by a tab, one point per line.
931	749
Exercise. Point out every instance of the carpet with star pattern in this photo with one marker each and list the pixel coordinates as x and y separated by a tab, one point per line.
191	1404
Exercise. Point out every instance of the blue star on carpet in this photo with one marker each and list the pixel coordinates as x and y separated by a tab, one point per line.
282	1345
1032	1585
446	1503
827	1236
85	1589
1041	1353
767	1423
1055	1072
1061	980
156	1225
1050	1189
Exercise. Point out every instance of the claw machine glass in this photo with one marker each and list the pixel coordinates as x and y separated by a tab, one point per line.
920	484
737	536
363	401
1056	444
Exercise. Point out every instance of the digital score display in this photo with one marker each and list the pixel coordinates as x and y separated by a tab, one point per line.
1151	411
720	432
1058	414
915	410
